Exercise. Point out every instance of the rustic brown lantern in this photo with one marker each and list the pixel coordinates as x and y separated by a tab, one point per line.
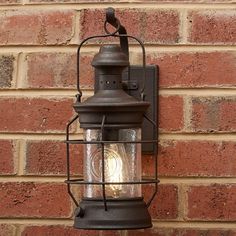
112	120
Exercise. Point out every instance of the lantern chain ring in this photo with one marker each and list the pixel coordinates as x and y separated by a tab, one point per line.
117	28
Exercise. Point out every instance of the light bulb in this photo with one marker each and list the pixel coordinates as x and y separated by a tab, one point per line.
115	167
122	163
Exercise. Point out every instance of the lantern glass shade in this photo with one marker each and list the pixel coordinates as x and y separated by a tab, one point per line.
122	163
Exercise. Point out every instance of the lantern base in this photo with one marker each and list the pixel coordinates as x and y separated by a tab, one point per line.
120	214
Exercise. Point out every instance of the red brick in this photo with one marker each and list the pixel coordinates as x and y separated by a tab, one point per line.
111	233
7	155
213	202
182	232
7	70
165	204
58	70
158	26
197	158
57	230
49	158
148	165
190	2
30	200
214	114
217	27
196	69
151	232
39	27
204	232
73	1
34	114
171	113
7	230
6	2
134	1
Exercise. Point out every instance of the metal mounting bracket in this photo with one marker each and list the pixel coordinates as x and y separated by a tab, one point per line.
132	86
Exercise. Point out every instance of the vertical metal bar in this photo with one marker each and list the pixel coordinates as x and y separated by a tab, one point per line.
155	161
68	147
68	159
103	165
155	170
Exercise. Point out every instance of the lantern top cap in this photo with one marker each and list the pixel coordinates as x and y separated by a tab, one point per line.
110	55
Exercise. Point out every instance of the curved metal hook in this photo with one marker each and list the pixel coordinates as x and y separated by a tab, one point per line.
110	16
112	20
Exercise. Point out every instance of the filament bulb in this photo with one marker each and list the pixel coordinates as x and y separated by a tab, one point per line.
115	167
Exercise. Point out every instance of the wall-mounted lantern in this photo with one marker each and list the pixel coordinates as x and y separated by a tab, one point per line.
118	121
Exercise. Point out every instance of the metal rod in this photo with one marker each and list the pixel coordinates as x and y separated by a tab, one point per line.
80	181
155	161
144	60
67	146
108	142
68	159
71	194
103	164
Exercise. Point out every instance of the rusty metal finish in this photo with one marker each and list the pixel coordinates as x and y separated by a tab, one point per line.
112	107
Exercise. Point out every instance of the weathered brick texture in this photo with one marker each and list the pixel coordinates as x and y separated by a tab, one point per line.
6	2
48	158
182	232
40	114
165	204
196	69
7	156
56	230
7	69
34	200
212	27
7	230
59	230
171	113
57	70
197	158
213	202
36	27
159	26
133	1
214	114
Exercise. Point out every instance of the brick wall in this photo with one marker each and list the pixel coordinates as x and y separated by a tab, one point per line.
193	42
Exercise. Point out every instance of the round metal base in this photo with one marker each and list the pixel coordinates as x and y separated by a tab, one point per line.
120	214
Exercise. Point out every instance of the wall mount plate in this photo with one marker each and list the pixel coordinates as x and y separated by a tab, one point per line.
132	87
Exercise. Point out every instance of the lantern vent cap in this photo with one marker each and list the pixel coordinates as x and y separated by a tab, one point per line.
110	55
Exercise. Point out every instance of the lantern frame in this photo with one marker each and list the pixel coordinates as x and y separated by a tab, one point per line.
120	32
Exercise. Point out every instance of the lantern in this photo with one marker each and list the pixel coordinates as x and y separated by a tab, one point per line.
112	124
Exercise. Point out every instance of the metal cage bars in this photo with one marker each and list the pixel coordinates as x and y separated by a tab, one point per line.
103	183
119	32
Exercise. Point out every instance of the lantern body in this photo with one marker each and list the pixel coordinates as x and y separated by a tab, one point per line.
122	163
112	121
